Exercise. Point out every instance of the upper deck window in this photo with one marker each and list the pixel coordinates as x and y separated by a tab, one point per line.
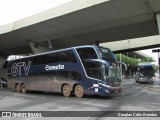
87	53
63	56
107	55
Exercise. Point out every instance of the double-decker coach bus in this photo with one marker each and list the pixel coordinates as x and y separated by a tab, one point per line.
144	72
79	70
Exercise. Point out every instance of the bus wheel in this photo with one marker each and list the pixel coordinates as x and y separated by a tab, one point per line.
23	87
66	90
18	88
79	91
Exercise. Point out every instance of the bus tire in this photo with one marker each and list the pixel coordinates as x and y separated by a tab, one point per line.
66	90
23	88
136	80
18	88
79	92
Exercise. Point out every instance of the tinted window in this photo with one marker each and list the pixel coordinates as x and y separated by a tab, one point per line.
54	57
146	70
42	59
64	56
87	53
107	55
93	70
68	56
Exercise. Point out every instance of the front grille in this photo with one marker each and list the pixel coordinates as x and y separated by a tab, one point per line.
114	84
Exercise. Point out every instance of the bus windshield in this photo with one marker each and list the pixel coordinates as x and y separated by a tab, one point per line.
107	55
98	69
105	69
114	74
146	71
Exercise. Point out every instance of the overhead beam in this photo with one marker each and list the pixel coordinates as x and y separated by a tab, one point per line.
61	10
36	48
120	21
133	44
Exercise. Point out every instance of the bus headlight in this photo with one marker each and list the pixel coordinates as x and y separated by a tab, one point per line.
104	85
153	78
107	91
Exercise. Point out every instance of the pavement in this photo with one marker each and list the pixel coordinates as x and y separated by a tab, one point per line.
134	97
153	88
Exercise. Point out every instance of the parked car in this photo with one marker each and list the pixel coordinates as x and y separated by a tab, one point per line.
3	82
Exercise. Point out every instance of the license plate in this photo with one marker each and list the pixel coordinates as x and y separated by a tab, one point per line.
116	91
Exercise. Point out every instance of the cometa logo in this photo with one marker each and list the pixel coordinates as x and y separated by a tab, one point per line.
57	67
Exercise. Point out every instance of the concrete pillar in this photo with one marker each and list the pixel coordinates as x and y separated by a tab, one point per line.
158	21
37	48
2	61
3	71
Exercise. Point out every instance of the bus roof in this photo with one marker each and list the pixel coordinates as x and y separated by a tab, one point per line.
44	53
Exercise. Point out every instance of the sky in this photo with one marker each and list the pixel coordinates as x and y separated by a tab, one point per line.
13	10
151	54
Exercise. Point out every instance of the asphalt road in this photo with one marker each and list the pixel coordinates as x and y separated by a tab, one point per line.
134	97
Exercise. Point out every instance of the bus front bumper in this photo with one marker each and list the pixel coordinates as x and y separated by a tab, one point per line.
146	80
113	90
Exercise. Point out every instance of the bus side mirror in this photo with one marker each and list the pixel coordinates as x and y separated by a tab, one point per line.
124	64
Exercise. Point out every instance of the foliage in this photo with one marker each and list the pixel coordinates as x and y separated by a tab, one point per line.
129	61
155	67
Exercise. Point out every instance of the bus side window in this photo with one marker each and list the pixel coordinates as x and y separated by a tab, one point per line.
54	57
87	53
40	60
68	56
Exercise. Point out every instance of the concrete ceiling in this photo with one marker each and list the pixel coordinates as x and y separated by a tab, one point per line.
104	21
